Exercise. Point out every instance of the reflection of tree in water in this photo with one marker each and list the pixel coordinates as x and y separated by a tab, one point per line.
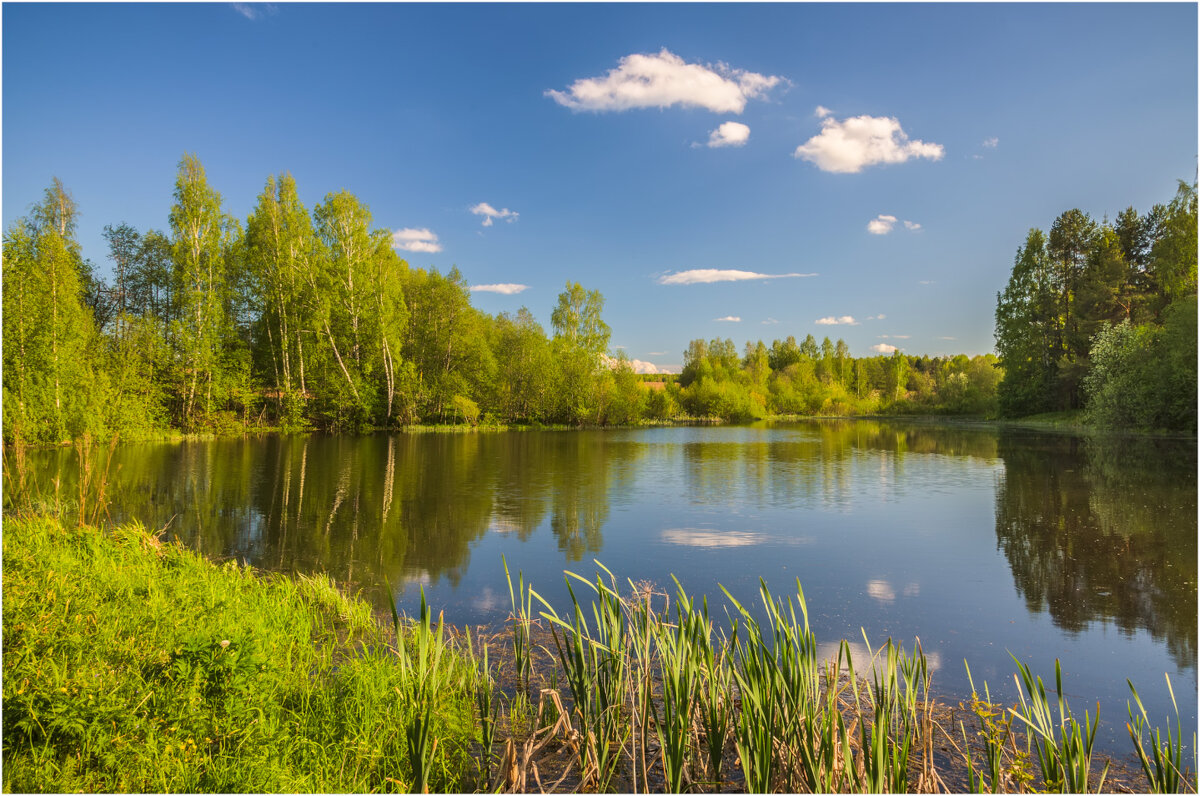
813	461
1103	530
578	464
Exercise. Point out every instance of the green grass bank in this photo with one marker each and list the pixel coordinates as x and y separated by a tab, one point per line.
136	666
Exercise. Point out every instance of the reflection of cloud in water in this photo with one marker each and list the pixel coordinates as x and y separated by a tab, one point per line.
884	592
881	590
486	601
501	525
694	537
828	651
416	579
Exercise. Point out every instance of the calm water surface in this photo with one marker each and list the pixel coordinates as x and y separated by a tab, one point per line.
980	542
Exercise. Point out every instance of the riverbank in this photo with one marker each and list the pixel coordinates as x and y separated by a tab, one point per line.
135	665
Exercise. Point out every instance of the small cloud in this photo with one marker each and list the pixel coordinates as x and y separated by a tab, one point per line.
490	214
507	288
901	336
729	134
845	320
927	282
991	143
770	322
709	275
881	225
884	348
728	319
416	240
976	157
821	112
657	353
641	366
848	146
662	80
255	11
878	317
947	338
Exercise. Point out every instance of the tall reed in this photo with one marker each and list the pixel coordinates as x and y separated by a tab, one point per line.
521	622
425	678
1167	774
1063	747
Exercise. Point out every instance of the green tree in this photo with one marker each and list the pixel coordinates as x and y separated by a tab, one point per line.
523	367
579	344
282	256
1173	254
48	331
201	236
1028	332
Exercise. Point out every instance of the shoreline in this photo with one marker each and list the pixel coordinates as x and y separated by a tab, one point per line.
351	637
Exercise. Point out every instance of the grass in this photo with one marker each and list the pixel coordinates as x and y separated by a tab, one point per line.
133	665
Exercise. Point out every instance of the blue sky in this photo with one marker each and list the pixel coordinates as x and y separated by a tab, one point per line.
830	126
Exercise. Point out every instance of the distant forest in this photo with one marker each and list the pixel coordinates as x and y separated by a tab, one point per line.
299	319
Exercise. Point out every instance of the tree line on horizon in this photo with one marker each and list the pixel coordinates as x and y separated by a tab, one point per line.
1101	316
299	318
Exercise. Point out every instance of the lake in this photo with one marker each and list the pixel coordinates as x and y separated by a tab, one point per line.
980	541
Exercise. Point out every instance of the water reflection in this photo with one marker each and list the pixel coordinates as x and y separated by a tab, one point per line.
1103	529
1093	531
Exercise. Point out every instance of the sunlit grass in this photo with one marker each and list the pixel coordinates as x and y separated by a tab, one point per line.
134	665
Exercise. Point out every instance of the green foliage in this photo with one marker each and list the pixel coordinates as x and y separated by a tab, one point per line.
1102	316
311	319
1145	376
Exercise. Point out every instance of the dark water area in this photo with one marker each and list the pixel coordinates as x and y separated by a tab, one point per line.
981	542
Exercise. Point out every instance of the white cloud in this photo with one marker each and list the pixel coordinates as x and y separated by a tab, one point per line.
878	317
507	288
708	275
658	353
728	319
902	336
254	11
416	240
883	348
845	320
638	365
821	112
729	134
927	282
770	322
991	143
846	147
947	338
490	214
660	81
881	225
